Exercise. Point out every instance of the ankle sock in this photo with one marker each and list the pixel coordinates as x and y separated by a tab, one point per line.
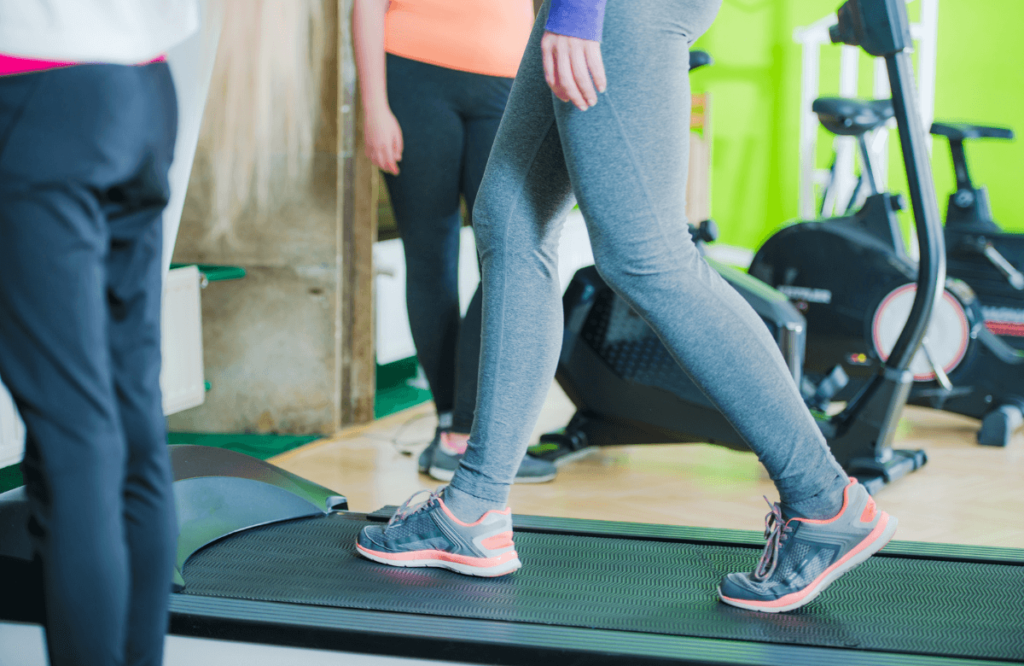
444	420
823	506
467	508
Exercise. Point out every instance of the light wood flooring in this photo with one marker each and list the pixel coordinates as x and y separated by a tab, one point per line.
966	494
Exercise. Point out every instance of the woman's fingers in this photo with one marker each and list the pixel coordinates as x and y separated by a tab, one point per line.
581	75
384	143
547	45
596	65
566	79
573	68
381	158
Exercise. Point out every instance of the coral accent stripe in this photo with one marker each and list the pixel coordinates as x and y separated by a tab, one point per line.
443	556
797	596
503	540
869	512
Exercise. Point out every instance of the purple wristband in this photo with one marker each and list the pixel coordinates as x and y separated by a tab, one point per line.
577	18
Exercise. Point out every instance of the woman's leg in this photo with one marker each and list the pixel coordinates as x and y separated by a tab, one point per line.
101	516
518	216
134	287
627	159
524	195
425	200
484	100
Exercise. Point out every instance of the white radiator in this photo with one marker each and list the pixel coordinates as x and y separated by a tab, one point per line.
12	430
181	377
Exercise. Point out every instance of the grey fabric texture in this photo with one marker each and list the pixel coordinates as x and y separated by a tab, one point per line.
625	162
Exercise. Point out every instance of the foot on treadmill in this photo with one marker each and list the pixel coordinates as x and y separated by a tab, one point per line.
451	447
428	534
427	454
805	556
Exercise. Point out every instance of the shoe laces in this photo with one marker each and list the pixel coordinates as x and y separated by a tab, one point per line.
408	508
775	530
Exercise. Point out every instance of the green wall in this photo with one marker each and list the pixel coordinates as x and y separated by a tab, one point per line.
755	86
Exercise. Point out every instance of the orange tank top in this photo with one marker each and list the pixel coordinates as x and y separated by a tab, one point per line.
480	36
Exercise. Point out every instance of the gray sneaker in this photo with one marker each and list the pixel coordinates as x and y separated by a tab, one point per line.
446	461
805	556
427	454
429	535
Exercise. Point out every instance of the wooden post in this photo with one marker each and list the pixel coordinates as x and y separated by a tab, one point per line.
357	188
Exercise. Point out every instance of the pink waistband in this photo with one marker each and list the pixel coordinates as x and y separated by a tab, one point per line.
14	65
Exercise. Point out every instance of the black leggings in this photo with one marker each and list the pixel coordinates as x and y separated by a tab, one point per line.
449	119
84	154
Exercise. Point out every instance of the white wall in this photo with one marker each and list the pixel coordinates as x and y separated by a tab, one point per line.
191	64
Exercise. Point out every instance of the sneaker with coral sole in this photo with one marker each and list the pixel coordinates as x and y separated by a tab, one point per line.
428	534
804	556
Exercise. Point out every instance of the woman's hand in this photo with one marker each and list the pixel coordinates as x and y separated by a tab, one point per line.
573	68
383	139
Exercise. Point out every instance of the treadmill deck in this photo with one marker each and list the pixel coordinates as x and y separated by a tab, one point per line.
637	578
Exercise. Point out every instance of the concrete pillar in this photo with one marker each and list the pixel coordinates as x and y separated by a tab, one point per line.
280	187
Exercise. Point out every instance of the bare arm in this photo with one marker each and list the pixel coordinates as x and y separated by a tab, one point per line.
383	134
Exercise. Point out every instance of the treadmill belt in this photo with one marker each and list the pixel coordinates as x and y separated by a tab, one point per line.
889	604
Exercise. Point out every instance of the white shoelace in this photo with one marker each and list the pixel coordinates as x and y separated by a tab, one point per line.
775	531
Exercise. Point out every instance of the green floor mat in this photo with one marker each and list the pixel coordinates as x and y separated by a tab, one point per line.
257	446
10	477
394	391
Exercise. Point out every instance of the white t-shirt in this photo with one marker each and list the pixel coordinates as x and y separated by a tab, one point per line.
111	31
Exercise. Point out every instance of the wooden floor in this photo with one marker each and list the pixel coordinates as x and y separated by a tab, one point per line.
966	494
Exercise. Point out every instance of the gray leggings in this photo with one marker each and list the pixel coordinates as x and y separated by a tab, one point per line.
625	160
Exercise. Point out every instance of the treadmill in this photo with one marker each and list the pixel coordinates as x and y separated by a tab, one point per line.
267	559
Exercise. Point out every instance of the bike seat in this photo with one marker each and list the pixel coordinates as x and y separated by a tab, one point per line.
851	117
961	131
699	59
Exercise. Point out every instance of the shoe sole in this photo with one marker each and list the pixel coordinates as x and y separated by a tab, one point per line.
502	569
574	456
811	592
446	475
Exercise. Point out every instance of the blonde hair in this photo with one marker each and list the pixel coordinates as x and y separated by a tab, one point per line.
261	109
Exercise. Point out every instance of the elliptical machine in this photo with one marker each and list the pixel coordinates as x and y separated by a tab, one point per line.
611	365
978	251
851	276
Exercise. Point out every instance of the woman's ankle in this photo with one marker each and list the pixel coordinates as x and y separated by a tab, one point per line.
468	508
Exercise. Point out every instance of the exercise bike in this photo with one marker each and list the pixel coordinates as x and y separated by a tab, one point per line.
627	390
852	279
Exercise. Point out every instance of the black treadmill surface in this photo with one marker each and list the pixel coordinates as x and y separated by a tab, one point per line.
894	603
